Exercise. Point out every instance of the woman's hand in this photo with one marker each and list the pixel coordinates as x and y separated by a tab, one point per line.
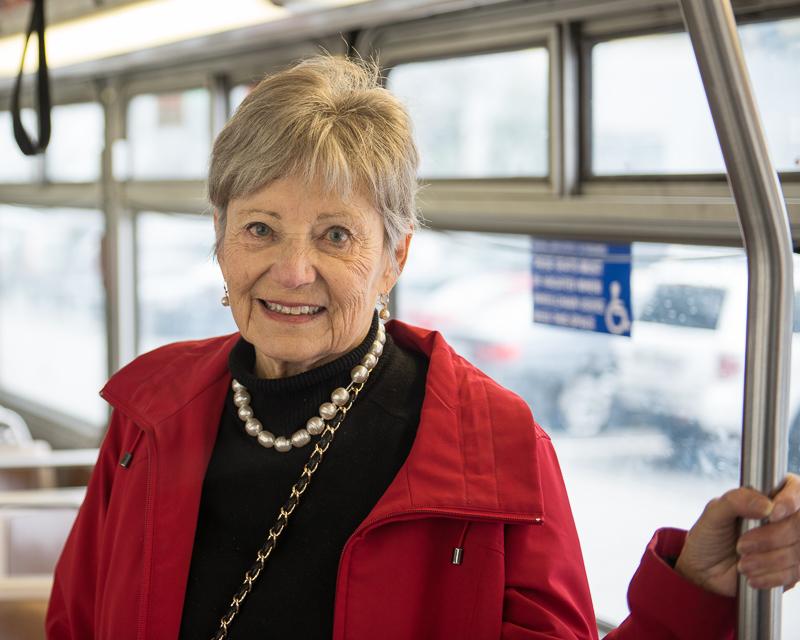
769	556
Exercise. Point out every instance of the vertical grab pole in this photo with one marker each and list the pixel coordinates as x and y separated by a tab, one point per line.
767	240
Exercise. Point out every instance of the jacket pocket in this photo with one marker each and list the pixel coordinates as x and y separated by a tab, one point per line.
399	581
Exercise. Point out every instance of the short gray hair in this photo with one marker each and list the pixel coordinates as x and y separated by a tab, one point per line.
323	119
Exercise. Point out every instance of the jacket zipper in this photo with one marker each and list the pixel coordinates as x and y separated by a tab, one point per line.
148	549
127	454
458	550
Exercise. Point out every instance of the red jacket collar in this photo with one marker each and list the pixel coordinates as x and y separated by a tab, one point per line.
476	447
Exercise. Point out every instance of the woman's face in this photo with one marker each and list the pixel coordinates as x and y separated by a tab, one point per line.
304	270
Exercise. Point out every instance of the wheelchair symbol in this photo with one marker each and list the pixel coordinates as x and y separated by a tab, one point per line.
616	315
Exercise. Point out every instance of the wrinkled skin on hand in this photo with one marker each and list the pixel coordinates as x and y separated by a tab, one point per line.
714	553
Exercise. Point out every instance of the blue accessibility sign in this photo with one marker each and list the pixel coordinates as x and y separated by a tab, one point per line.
582	285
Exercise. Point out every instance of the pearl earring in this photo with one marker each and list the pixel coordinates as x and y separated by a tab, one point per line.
383	300
226	301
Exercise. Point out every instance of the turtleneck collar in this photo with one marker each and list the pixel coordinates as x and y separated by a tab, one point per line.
241	363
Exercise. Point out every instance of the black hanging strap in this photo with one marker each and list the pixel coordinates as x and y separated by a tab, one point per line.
29	147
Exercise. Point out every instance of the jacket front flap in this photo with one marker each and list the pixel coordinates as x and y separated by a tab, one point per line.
160	383
475	452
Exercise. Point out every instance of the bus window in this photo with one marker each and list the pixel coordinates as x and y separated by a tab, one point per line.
479	116
640	127
169	135
75	148
52	315
179	284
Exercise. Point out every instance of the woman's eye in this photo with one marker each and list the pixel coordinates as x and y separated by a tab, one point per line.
259	229
337	235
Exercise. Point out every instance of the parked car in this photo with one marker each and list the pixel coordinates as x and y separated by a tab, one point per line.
684	369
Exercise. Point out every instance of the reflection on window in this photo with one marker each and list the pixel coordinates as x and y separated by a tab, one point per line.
76	144
52	319
649	109
180	287
479	116
647	428
169	135
684	305
14	165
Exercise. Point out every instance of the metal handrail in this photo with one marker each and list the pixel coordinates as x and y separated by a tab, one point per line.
767	241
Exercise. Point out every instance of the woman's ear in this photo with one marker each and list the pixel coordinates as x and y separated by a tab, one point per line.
400	255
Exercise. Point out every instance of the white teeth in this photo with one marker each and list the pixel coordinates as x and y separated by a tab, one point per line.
292	311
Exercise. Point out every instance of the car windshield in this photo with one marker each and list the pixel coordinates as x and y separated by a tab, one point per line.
685	306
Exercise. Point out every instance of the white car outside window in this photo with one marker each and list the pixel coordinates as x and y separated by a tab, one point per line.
684	369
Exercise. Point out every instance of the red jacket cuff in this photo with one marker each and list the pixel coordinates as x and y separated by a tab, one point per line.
660	598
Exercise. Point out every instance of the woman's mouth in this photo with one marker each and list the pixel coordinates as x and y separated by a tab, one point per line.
287	309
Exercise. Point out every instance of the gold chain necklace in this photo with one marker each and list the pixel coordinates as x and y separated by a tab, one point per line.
298	489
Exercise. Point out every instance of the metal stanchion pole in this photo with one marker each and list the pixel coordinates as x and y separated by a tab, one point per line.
767	240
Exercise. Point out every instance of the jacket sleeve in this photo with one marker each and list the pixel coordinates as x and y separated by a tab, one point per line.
547	594
71	610
664	605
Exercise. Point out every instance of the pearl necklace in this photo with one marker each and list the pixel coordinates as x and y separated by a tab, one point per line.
327	410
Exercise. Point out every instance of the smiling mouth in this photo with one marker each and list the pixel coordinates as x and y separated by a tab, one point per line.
292	310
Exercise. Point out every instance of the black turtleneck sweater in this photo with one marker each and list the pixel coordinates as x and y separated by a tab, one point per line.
245	485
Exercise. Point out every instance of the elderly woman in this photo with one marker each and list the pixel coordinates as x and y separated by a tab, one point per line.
319	474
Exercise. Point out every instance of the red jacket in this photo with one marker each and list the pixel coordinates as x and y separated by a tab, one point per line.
481	475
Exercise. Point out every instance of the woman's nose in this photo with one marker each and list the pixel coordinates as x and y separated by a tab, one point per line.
293	267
